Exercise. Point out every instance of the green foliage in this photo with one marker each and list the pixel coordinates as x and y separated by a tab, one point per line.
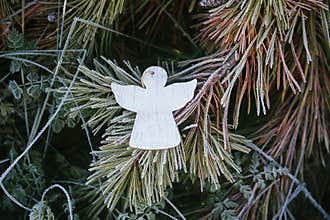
6	109
26	181
15	40
15	89
270	171
41	211
222	207
272	56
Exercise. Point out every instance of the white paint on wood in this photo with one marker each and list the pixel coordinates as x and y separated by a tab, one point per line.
154	126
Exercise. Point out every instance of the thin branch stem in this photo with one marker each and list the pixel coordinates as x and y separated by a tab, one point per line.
286	202
293	178
35	138
174	207
66	194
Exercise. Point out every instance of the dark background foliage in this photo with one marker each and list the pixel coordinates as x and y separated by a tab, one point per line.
174	34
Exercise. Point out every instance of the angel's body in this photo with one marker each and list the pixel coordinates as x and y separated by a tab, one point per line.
154	126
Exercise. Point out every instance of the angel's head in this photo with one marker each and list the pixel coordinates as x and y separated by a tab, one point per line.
154	76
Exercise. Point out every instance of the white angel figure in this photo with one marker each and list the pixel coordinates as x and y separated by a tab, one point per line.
154	126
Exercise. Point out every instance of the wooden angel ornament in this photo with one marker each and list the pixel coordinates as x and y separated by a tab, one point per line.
154	127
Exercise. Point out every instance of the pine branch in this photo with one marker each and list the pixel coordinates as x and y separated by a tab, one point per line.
141	176
299	124
259	33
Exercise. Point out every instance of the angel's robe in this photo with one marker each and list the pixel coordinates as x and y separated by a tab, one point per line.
154	126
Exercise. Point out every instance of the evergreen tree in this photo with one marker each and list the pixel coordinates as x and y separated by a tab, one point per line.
255	141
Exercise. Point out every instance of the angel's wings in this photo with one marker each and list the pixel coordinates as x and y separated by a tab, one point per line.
180	93
128	97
